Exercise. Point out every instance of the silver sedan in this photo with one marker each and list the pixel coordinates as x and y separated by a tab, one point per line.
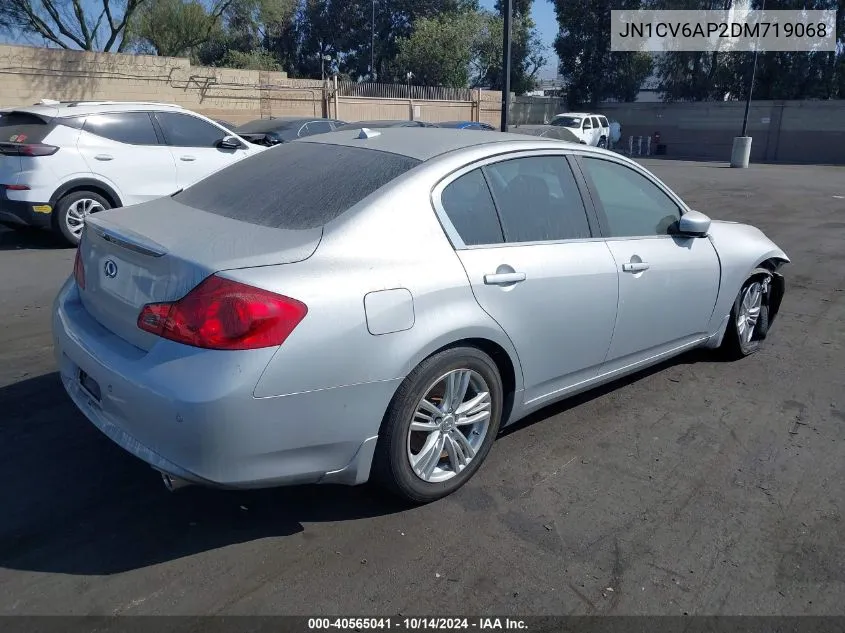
380	303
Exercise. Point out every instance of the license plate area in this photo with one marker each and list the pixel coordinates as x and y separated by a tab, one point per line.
89	385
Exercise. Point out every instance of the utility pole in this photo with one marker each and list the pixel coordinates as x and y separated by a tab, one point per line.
506	63
373	44
751	84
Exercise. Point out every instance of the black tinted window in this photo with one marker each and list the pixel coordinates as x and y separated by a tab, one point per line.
470	208
297	185
634	205
538	199
134	128
184	130
22	127
316	127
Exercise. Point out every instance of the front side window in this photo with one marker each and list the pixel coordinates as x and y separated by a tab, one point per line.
633	204
588	124
469	205
133	128
184	130
538	199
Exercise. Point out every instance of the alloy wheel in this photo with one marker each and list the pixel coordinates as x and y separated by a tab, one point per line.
449	425
78	211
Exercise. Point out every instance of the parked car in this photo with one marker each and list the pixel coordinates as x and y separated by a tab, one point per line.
468	125
547	131
385	124
386	314
277	130
591	129
61	162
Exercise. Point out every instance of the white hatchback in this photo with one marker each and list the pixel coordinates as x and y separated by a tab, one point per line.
60	162
591	129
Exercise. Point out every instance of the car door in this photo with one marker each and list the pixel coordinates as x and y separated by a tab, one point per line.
587	130
123	149
195	145
598	132
526	243
668	283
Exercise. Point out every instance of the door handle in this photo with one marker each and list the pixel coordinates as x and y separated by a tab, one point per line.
187	159
104	157
503	278
635	267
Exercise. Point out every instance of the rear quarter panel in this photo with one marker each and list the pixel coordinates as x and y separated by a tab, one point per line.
741	249
392	240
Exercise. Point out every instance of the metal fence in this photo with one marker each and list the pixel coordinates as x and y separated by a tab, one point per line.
403	91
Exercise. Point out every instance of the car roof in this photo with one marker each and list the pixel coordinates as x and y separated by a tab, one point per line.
424	143
69	108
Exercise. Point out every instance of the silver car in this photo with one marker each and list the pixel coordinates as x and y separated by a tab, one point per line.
381	303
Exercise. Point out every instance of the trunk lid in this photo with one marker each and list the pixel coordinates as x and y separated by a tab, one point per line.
160	250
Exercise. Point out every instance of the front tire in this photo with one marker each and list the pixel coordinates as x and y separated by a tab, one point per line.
71	211
440	425
749	322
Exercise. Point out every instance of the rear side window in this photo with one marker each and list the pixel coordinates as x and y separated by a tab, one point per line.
538	199
133	128
469	205
296	185
22	127
603	122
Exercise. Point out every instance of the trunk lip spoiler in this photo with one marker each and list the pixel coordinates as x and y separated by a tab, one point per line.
132	243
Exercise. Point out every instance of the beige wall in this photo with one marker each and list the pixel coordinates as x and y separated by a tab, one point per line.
785	131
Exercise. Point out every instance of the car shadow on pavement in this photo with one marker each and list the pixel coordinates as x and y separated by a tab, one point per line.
72	502
24	239
687	358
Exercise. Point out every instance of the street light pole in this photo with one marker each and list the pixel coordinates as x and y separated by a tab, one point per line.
506	63
373	44
751	85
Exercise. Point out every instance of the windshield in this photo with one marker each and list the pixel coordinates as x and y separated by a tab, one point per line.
567	121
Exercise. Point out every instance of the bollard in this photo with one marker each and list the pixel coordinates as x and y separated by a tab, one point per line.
639	146
648	146
630	146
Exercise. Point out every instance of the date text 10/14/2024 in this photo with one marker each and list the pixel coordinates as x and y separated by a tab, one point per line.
417	624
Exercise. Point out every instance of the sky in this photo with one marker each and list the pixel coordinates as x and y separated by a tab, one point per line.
543	12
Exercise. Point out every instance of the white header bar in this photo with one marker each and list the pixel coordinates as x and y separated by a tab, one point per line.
724	31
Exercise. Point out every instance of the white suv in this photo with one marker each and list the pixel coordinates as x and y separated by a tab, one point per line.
591	129
61	161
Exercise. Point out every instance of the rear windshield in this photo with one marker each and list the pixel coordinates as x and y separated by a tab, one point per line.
297	185
22	127
262	126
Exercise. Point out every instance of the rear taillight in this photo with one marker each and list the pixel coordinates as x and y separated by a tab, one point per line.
28	149
79	270
224	314
15	187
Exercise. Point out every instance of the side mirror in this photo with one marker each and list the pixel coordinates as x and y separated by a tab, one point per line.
694	223
230	142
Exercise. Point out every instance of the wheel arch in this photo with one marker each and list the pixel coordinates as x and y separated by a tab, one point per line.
87	184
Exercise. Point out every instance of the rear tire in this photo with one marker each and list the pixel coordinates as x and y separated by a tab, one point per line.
602	143
71	210
749	321
451	436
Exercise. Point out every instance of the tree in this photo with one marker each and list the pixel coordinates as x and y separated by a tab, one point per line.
88	25
527	50
591	71
701	76
175	27
440	50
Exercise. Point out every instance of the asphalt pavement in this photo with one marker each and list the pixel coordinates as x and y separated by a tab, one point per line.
697	487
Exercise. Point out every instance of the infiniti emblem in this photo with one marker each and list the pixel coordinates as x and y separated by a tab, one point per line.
110	268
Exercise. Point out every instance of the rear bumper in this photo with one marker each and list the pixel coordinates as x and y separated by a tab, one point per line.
191	413
23	212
